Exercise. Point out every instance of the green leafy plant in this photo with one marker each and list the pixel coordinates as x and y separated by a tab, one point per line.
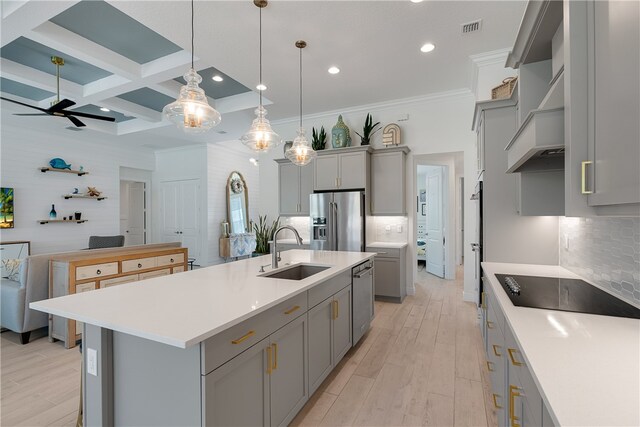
264	233
319	139
368	130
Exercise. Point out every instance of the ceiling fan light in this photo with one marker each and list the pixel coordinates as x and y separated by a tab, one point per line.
260	137
300	153
191	111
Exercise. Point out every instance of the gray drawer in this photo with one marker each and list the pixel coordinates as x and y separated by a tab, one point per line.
227	344
384	252
494	311
324	290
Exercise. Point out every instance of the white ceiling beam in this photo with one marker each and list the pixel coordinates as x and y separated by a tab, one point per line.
39	79
170	88
97	89
137	125
29	15
130	109
169	66
58	38
240	102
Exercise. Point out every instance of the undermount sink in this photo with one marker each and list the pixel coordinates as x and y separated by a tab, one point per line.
296	272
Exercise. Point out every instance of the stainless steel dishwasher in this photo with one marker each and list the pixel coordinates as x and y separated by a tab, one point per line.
363	291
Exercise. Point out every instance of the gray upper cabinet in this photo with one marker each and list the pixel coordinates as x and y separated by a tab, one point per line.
342	169
295	186
388	189
613	174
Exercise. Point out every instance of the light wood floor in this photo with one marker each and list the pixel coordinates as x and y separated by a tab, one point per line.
420	364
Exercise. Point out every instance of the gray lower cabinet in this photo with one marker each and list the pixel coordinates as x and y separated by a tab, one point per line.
389	270
264	385
329	335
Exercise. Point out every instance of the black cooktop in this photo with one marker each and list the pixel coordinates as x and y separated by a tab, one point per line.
565	295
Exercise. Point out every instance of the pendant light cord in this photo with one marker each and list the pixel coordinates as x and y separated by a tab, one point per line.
192	49
260	79
300	88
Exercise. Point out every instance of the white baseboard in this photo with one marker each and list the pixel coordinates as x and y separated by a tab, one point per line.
470	296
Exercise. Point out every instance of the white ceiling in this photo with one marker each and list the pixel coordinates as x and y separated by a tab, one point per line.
375	43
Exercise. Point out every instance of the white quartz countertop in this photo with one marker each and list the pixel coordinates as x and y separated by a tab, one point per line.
587	367
186	308
392	245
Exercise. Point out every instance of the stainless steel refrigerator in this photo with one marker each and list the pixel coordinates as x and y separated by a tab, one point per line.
337	221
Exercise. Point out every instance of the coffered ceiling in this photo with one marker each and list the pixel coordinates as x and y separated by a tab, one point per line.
129	56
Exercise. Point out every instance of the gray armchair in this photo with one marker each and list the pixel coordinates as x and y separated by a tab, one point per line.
99	242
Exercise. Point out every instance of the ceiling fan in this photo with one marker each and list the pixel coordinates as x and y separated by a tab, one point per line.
59	109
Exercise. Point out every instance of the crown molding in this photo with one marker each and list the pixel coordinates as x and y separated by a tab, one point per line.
485	59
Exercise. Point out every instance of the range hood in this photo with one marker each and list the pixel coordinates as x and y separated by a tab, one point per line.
539	143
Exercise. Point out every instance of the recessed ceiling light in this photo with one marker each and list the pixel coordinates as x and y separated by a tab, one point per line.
427	47
334	70
105	109
261	87
217	78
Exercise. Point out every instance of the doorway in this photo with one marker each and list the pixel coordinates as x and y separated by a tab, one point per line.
431	219
133	212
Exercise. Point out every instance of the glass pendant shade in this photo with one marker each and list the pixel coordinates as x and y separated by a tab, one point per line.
260	137
300	153
191	111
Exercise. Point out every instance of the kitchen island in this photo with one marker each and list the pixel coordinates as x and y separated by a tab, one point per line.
216	346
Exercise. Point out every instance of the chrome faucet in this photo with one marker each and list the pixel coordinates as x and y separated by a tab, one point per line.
274	255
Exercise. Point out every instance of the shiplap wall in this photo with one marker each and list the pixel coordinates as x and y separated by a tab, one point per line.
24	150
222	159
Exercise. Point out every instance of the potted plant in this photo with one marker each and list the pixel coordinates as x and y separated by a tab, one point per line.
264	233
319	139
368	130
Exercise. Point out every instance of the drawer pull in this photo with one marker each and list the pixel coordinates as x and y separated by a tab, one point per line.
98	272
584	177
513	359
171	260
243	338
139	265
269	360
275	356
495	350
495	401
513	393
489	367
490	324
292	309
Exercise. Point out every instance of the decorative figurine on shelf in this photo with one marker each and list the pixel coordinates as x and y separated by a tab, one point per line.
53	214
75	191
340	136
78	215
81	168
319	139
58	163
391	135
368	130
93	192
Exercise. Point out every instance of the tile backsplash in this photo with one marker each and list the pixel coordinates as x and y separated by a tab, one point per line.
605	251
387	229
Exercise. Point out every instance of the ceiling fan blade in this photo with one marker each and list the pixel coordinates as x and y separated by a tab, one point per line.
31	114
75	121
89	116
22	103
65	103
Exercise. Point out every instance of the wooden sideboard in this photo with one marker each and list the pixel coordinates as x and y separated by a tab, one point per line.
82	272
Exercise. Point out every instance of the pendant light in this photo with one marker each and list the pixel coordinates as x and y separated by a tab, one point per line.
300	153
260	137
191	112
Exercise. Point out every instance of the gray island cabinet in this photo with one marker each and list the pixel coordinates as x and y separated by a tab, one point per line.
258	371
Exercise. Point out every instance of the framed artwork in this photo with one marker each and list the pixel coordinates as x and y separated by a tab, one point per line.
424	209
423	196
6	207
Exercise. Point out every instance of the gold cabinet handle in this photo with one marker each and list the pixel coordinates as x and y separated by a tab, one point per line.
337	309
334	314
495	350
495	401
275	356
292	309
269	360
584	177
513	393
489	367
483	302
513	359
490	324
244	337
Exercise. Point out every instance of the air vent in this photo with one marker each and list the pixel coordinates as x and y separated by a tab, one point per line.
472	27
222	132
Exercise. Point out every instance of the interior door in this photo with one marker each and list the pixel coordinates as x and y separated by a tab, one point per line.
136	230
435	221
189	214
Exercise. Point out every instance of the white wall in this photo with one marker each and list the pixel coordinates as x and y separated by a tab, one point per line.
439	123
24	150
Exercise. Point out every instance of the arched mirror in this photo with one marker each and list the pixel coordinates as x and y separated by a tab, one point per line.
237	203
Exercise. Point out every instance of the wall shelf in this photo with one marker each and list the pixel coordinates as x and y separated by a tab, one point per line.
75	172
47	221
82	196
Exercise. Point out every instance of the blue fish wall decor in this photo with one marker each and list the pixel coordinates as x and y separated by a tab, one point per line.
58	163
